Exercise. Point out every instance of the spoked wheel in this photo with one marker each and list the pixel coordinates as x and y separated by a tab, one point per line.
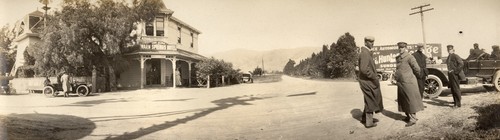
496	81
49	91
82	90
433	86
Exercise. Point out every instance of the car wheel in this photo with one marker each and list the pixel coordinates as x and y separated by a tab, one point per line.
433	86
82	90
496	81
48	91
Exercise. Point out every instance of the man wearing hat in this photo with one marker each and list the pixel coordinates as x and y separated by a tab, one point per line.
369	84
407	71
495	54
475	52
421	60
455	65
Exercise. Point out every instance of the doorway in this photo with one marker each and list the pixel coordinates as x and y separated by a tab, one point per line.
153	75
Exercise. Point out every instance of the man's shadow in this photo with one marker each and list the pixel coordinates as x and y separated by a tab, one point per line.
357	114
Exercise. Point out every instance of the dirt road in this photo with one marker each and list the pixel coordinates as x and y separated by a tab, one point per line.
291	109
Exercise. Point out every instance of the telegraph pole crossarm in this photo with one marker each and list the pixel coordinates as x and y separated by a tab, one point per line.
421	12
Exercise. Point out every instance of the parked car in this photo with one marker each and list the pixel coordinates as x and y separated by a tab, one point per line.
247	78
479	71
5	85
82	89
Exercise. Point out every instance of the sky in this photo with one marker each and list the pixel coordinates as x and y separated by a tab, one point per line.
275	24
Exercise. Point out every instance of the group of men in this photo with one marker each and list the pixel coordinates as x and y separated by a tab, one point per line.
410	75
480	54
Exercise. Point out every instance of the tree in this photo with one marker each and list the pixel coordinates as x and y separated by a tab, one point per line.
344	57
6	55
289	67
215	69
257	71
83	35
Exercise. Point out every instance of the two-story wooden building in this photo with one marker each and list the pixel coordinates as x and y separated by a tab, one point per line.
166	43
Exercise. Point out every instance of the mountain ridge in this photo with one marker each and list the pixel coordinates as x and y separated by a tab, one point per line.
274	60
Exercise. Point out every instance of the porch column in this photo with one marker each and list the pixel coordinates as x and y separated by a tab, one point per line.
142	71
190	72
174	78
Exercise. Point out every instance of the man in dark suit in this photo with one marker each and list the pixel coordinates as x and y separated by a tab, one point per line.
421	60
455	65
369	84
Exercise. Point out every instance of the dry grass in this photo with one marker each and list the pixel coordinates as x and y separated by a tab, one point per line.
480	120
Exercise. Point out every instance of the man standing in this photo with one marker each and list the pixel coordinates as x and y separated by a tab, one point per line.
409	99
65	83
369	84
455	65
421	60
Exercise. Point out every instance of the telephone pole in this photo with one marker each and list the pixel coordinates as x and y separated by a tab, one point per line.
421	11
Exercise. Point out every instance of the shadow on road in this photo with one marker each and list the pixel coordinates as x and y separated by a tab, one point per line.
302	94
221	105
95	102
393	115
174	100
469	90
44	126
356	114
439	102
152	115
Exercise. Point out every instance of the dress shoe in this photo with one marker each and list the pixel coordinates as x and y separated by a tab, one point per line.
374	121
410	124
455	107
374	124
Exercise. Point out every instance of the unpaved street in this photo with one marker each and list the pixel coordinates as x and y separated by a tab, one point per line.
293	108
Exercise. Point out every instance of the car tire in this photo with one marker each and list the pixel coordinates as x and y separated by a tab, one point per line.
496	81
82	90
49	91
433	86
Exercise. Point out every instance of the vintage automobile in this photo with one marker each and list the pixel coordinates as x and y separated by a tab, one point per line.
247	78
5	85
486	72
52	90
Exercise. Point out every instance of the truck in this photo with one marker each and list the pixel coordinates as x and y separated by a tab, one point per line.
385	58
477	71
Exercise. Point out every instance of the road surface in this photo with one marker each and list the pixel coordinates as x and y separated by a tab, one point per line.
293	108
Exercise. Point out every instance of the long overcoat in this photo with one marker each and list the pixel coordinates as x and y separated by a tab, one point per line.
368	81
409	99
65	82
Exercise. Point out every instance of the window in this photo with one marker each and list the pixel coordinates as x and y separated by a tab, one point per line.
192	40
160	30
179	39
149	29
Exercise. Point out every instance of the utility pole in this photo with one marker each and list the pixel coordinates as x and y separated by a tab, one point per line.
46	8
262	65
421	11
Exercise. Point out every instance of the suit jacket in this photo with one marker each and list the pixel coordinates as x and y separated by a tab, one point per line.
421	60
455	63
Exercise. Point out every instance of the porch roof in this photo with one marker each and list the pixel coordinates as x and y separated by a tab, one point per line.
178	53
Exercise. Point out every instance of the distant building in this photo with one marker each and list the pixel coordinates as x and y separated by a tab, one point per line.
165	44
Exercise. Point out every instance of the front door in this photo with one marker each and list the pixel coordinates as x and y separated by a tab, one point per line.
153	76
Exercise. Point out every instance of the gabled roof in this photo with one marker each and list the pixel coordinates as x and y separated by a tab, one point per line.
36	13
185	24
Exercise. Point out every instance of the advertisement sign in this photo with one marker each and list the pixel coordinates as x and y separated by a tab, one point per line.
385	56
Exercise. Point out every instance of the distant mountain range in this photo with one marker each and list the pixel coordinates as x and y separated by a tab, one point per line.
274	60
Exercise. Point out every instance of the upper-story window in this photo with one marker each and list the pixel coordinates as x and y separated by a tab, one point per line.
179	40
192	40
160	24
150	29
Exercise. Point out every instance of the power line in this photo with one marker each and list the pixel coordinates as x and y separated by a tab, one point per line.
421	11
